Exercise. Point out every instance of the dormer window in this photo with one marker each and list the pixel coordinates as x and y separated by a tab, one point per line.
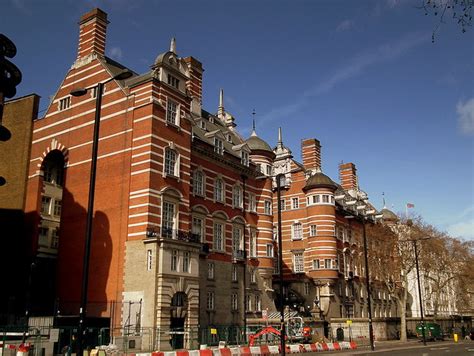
65	103
202	124
174	82
218	146
244	158
171	112
228	137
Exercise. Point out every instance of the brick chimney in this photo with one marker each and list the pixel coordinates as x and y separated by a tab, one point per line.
348	176
311	153
92	32
194	84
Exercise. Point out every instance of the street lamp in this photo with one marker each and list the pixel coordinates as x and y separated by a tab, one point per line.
279	178
90	207
364	219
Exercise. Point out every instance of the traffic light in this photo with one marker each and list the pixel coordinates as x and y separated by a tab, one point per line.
10	77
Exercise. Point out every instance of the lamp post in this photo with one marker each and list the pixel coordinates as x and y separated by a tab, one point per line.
420	298
364	219
244	179
279	177
90	207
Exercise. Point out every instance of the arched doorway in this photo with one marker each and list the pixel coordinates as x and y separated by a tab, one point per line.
179	306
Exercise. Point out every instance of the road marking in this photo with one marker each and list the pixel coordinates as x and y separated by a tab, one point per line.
470	350
438	348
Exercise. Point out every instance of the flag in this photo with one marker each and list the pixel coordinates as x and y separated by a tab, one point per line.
410	205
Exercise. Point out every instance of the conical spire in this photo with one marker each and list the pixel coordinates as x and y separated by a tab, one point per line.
220	109
173	45
254	133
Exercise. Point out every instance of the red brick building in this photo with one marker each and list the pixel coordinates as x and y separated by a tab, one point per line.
185	208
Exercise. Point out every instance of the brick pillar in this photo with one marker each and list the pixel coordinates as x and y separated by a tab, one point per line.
92	32
194	83
311	153
348	176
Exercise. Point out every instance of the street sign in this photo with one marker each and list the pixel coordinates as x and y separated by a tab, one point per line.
54	335
213	331
348	322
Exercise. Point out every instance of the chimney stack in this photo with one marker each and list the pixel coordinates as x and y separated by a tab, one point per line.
194	84
92	32
348	176
311	153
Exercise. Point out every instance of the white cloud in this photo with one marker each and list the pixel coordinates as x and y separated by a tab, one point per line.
465	112
356	66
116	53
463	229
345	25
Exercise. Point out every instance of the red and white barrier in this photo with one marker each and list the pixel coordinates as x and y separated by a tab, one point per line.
263	350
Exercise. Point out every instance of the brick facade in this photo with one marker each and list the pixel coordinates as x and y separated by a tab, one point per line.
185	208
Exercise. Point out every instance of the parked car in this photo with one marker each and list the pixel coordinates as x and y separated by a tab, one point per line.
433	331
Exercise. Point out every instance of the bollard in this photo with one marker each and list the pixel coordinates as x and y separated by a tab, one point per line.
455	337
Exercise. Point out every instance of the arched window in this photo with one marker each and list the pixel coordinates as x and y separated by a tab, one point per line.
219	190
198	183
51	203
171	162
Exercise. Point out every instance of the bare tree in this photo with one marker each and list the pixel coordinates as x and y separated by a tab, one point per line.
460	11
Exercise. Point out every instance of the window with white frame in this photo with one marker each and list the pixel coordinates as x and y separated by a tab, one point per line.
295	204
252	203
253	276
174	260
325	198
335	264
55	237
65	103
269	170
276	266
197	228
171	162
327	263
253	243
244	158
306	288
149	259
186	262
198	183
313	230
269	250
218	237
282	204
173	81
57	207
202	124
316	264
228	137
210	270
219	190
210	303
171	112
237	196
236	238
298	262
46	205
248	302
168	219
297	231
267	207
234	301
258	303
218	146
234	273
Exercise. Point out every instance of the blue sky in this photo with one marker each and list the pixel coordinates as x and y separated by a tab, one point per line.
363	77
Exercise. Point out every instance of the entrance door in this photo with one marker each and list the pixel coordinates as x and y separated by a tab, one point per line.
177	333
